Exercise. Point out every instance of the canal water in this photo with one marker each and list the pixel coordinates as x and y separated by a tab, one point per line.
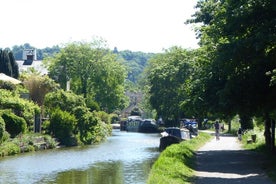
125	158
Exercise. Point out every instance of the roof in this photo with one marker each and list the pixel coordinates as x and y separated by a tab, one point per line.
7	78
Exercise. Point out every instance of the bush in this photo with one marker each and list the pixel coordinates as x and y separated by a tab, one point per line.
7	85
62	124
2	129
9	148
14	124
21	107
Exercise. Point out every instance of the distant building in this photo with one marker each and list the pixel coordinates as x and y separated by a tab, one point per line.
29	55
29	60
37	65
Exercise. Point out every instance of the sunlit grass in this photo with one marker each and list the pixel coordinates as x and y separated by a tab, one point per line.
176	163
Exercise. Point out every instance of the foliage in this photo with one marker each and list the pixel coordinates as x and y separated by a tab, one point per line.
238	39
8	65
105	117
87	121
21	107
135	63
168	78
41	53
7	85
136	112
38	86
176	163
93	72
62	125
92	105
13	124
26	143
90	125
2	129
64	100
9	148
114	118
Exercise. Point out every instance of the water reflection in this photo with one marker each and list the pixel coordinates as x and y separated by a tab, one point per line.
123	158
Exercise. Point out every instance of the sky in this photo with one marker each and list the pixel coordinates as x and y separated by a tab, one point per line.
136	25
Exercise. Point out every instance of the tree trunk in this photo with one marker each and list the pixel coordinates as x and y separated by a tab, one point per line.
229	126
273	135
267	132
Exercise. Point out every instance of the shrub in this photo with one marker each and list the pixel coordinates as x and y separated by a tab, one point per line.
9	148
62	124
21	107
92	105
7	85
114	118
2	129
66	101
14	124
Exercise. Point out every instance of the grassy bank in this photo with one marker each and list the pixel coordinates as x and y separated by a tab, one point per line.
175	164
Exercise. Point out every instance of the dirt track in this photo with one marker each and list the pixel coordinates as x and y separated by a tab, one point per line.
224	161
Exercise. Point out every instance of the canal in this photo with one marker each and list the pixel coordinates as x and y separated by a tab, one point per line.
125	158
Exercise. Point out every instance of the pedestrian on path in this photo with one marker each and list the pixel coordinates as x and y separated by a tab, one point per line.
240	134
217	130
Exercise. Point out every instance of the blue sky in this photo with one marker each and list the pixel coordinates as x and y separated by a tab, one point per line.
137	25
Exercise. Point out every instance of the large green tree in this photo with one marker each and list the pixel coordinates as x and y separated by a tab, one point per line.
92	70
240	38
168	75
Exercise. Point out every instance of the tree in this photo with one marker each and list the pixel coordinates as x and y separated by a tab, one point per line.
92	71
168	75
8	65
240	37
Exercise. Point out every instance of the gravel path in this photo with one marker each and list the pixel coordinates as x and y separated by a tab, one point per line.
224	161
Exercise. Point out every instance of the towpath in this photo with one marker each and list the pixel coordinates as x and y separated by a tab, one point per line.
224	161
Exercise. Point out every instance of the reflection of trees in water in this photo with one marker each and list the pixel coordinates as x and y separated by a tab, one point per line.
108	172
99	173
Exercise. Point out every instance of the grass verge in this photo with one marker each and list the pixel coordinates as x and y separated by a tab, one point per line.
175	164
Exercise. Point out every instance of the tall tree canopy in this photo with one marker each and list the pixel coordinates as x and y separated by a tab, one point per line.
168	75
239	38
92	70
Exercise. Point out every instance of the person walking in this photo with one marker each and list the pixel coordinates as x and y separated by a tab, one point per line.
217	130
240	134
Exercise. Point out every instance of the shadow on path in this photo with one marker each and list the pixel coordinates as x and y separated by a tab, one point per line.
224	161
